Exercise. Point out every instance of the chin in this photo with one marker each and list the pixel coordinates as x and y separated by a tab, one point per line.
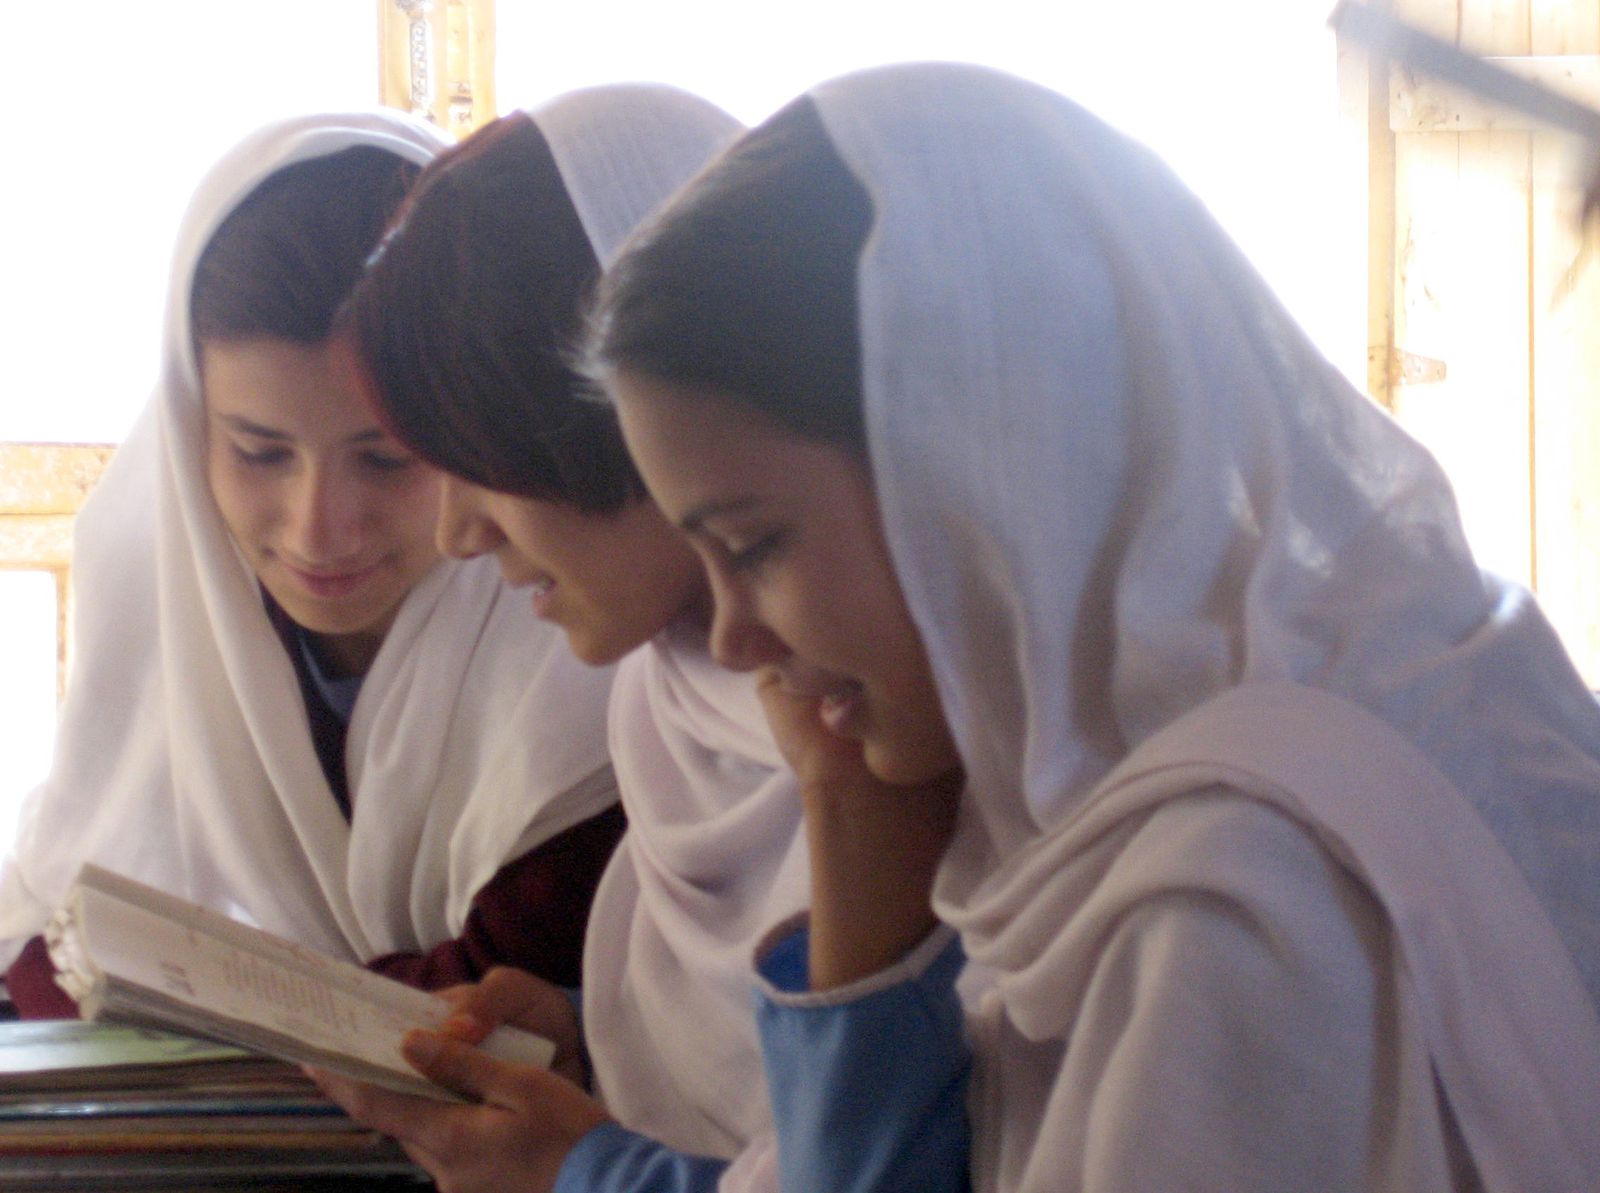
909	759
894	767
594	652
321	619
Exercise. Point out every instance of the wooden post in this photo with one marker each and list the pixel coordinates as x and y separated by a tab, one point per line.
436	60
1564	413
1364	114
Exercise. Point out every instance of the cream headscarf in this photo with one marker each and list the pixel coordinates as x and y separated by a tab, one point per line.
713	855
1157	546
184	757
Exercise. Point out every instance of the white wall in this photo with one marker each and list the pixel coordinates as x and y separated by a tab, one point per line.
131	103
124	106
1238	95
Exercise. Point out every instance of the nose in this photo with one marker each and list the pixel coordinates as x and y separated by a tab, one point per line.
463	530
326	517
740	640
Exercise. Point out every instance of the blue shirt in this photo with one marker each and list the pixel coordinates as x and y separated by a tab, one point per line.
830	1057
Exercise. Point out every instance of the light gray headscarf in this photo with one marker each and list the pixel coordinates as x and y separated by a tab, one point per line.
1172	570
713	854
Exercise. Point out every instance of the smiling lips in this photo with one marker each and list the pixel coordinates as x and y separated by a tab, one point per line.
841	702
332	585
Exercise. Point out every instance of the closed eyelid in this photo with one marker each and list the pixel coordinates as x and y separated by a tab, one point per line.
694	523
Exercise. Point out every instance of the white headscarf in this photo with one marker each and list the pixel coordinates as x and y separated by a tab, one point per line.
184	757
1155	544
713	855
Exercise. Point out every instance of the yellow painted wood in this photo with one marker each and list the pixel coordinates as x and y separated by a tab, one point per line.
1425	105
436	60
49	478
1441	18
1496	26
1369	155
1566	410
1461	296
1565	27
42	485
1486	236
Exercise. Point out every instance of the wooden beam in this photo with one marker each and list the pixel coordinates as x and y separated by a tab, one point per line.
1423	105
49	478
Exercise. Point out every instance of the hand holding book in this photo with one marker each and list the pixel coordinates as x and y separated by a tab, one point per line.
130	953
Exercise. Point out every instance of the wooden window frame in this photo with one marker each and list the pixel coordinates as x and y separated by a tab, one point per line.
42	486
435	59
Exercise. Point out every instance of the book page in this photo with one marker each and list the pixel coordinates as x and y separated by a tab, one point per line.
193	956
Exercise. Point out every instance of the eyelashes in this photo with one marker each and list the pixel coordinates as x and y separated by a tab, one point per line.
266	458
751	558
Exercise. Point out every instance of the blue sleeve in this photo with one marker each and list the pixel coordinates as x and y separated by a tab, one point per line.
868	1083
613	1159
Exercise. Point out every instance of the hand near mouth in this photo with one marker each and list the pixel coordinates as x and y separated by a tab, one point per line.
874	847
817	756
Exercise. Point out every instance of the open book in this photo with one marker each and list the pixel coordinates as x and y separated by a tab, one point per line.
132	954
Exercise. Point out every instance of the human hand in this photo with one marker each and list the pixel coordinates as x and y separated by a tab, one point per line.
515	1134
820	759
874	846
518	999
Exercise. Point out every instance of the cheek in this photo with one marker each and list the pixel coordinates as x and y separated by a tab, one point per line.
241	504
411	510
850	595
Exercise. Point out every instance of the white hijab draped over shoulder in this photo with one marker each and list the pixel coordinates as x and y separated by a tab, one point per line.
713	855
184	758
1160	552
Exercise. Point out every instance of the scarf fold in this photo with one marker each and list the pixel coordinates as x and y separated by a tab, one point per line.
1119	485
713	854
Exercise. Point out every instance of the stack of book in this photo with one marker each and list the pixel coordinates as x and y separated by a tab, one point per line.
92	1106
189	1075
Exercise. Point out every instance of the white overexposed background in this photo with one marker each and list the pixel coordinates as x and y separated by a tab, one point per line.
122	107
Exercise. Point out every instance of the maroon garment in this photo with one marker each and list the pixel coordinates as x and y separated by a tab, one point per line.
531	915
31	983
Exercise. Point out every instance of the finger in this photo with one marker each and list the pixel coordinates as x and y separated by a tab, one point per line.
503	996
401	1115
457	1066
475	1074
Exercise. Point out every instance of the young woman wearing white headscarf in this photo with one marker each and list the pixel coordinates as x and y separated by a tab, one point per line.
464	327
1281	828
285	706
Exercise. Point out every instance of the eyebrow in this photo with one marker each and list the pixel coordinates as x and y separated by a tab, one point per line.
694	521
239	423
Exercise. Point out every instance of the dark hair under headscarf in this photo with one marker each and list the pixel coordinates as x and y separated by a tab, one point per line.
749	287
284	259
466	318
